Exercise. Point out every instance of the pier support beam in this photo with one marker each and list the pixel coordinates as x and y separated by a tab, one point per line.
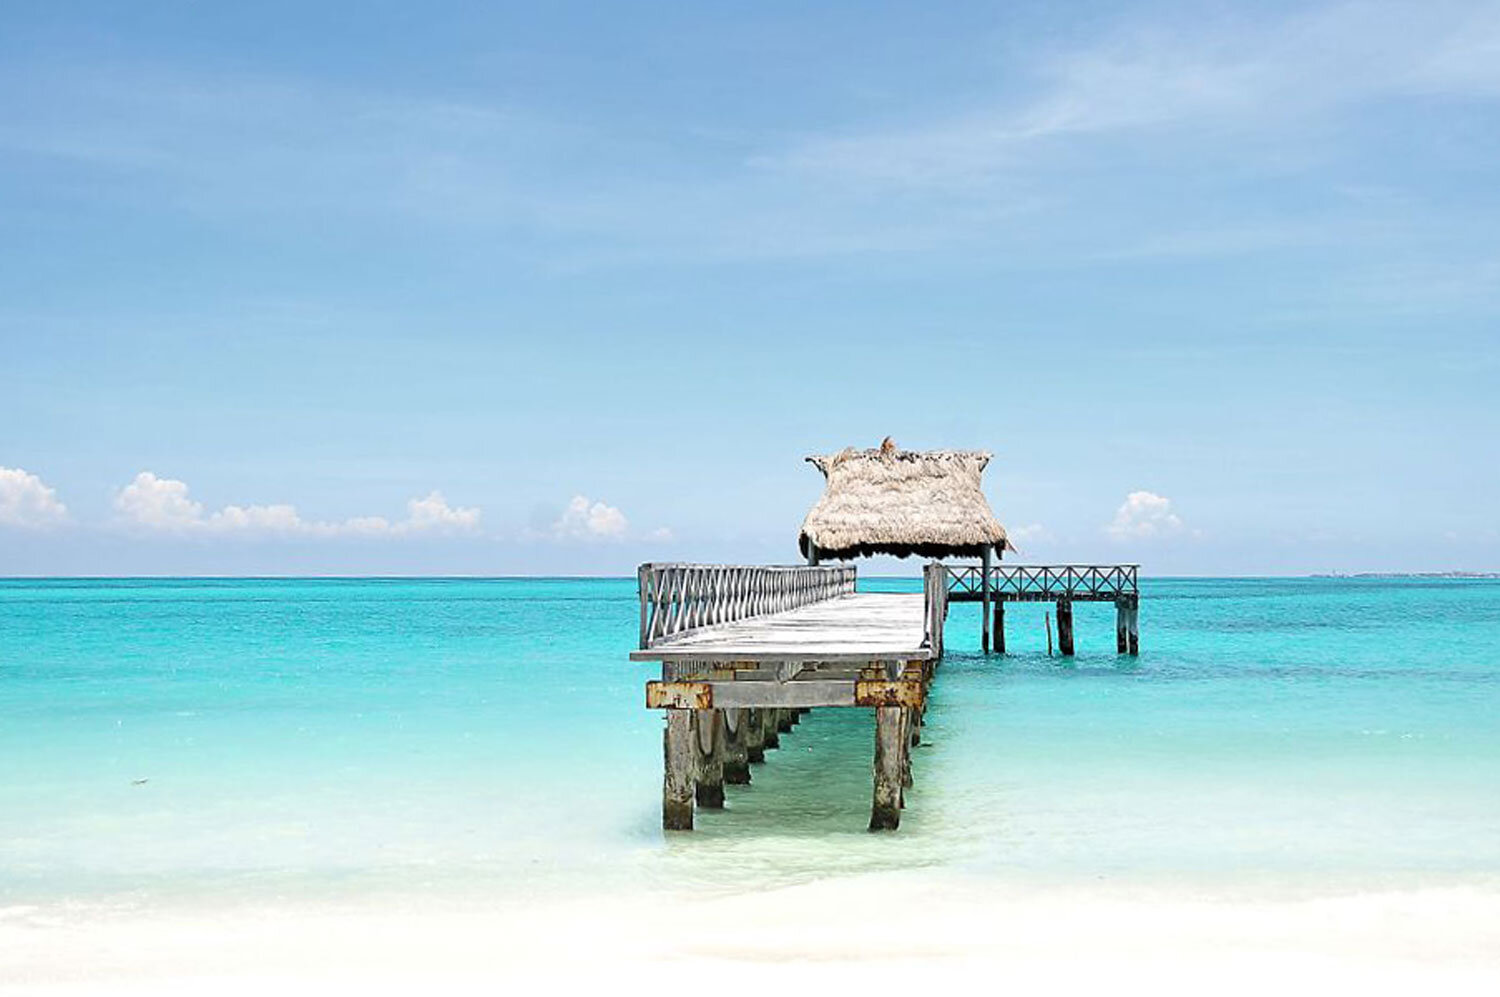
1132	625
755	736
710	745
677	781
784	721
1065	626
984	610
770	729
999	627
890	768
1122	627
736	748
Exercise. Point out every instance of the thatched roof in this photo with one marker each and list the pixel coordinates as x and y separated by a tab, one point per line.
889	501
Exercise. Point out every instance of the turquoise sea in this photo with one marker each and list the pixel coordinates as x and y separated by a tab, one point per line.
168	742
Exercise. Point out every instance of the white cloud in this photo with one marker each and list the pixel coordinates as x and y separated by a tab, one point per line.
434	514
27	502
162	504
1144	516
587	520
1257	73
662	534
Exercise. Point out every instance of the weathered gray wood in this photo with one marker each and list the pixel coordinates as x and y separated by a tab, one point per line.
770	735
736	748
678	764
709	741
1043	582
1065	627
1047	621
984	612
999	627
680	598
784	720
755	735
1132	627
861	627
1122	639
890	752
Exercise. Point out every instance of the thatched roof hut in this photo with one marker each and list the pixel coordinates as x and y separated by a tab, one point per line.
889	501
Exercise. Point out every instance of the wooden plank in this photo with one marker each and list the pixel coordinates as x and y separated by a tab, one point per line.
679	695
862	626
909	694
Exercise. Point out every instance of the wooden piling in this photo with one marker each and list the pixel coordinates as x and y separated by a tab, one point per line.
984	611
710	749
1065	626
755	736
784	721
1122	640
677	782
1047	621
890	752
1132	626
999	627
736	748
770	729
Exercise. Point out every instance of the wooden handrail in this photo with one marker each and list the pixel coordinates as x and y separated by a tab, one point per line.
677	598
1048	580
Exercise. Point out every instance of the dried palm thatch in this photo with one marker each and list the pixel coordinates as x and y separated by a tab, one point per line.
901	502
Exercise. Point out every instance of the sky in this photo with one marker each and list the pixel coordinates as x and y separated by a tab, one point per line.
394	288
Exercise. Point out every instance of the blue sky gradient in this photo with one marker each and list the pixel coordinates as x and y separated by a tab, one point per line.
1239	260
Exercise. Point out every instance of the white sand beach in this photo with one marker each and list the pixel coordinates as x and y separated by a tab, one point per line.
890	930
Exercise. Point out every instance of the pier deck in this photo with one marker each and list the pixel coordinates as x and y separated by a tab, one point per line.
864	627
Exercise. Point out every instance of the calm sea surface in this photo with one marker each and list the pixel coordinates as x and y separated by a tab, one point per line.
169	741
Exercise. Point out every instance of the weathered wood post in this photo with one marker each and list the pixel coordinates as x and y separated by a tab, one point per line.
999	626
677	781
1047	621
984	612
1065	626
890	749
755	735
1132	624
784	721
710	745
736	748
770	729
1122	640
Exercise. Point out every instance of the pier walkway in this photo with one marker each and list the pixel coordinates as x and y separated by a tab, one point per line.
746	650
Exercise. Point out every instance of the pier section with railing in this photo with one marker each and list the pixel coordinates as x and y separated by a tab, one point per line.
1063	584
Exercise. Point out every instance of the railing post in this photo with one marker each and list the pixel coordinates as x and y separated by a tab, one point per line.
984	612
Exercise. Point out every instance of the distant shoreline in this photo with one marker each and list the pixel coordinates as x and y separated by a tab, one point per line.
1409	574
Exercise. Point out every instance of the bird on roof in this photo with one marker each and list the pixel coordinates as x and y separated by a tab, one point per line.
887	447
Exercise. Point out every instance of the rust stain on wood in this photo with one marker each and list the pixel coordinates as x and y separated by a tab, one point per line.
679	696
872	692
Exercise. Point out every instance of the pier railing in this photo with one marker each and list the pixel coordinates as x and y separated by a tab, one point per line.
676	598
1045	583
935	604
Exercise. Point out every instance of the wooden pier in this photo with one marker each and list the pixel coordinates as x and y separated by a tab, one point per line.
746	650
1063	584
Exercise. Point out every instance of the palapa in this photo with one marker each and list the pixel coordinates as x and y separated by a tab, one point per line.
901	502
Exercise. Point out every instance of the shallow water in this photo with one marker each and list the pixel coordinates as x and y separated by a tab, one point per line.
168	741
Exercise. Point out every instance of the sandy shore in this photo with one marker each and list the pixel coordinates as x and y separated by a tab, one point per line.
904	930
